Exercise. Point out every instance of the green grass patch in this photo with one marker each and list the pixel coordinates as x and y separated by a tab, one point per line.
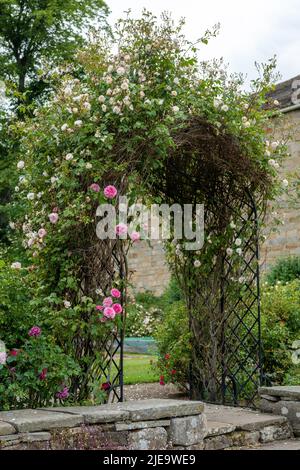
138	369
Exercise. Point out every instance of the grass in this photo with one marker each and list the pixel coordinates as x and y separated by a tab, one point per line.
138	370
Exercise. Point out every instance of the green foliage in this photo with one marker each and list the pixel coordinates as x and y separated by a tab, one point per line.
22	383
36	34
284	270
280	328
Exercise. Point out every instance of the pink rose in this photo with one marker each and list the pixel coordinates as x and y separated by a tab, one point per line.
99	307
42	233
115	293
117	308
107	302
135	236
95	187
110	192
53	217
35	331
121	229
109	313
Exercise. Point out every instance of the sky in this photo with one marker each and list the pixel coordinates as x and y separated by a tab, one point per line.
253	30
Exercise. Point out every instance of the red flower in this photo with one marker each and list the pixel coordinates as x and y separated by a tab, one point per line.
43	374
173	371
161	382
106	386
162	378
14	352
167	357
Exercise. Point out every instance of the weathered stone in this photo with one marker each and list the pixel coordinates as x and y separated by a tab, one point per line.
269	398
215	428
291	444
245	438
12	439
281	391
142	425
187	431
154	409
35	436
290	409
148	439
274	433
6	428
94	414
217	442
38	420
242	419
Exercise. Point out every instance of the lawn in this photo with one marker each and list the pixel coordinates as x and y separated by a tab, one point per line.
137	369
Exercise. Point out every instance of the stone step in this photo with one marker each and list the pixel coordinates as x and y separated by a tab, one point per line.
240	419
289	444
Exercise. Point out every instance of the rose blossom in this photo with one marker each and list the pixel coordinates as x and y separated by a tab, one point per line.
99	307
53	217
21	165
16	265
43	374
3	357
121	229
110	192
117	308
115	293
95	187
109	313
14	352
35	331
42	233
135	236
107	302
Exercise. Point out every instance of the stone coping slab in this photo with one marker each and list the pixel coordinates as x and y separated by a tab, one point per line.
215	428
242	419
281	391
6	428
39	420
142	410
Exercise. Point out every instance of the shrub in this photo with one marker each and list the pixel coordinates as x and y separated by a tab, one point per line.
284	270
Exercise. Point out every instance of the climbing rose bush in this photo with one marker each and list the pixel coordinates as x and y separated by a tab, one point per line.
105	131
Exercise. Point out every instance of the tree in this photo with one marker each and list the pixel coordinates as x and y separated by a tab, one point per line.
35	32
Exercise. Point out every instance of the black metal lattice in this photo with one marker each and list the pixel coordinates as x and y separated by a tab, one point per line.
231	352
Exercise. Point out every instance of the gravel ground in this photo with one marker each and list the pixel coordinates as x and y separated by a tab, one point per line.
152	390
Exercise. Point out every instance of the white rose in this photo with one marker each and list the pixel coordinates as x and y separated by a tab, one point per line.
274	145
238	242
87	106
67	304
276	103
229	251
30	196
176	80
239	251
232	225
21	165
16	265
285	183
197	263
124	86
12	225
120	70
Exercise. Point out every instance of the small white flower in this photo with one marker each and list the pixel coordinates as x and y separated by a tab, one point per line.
232	225
30	196
53	179
67	304
239	251
87	106
78	123
69	156
285	183
246	106
217	102
108	80
197	263
127	58
175	109
229	251
64	127
124	86
109	91
241	280
176	80
17	189
16	265
238	242
12	225
142	94
120	70
74	110
268	153
274	145
247	124
276	103
45	174
101	99
21	165
174	93
104	108
88	166
39	195
225	108
117	109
